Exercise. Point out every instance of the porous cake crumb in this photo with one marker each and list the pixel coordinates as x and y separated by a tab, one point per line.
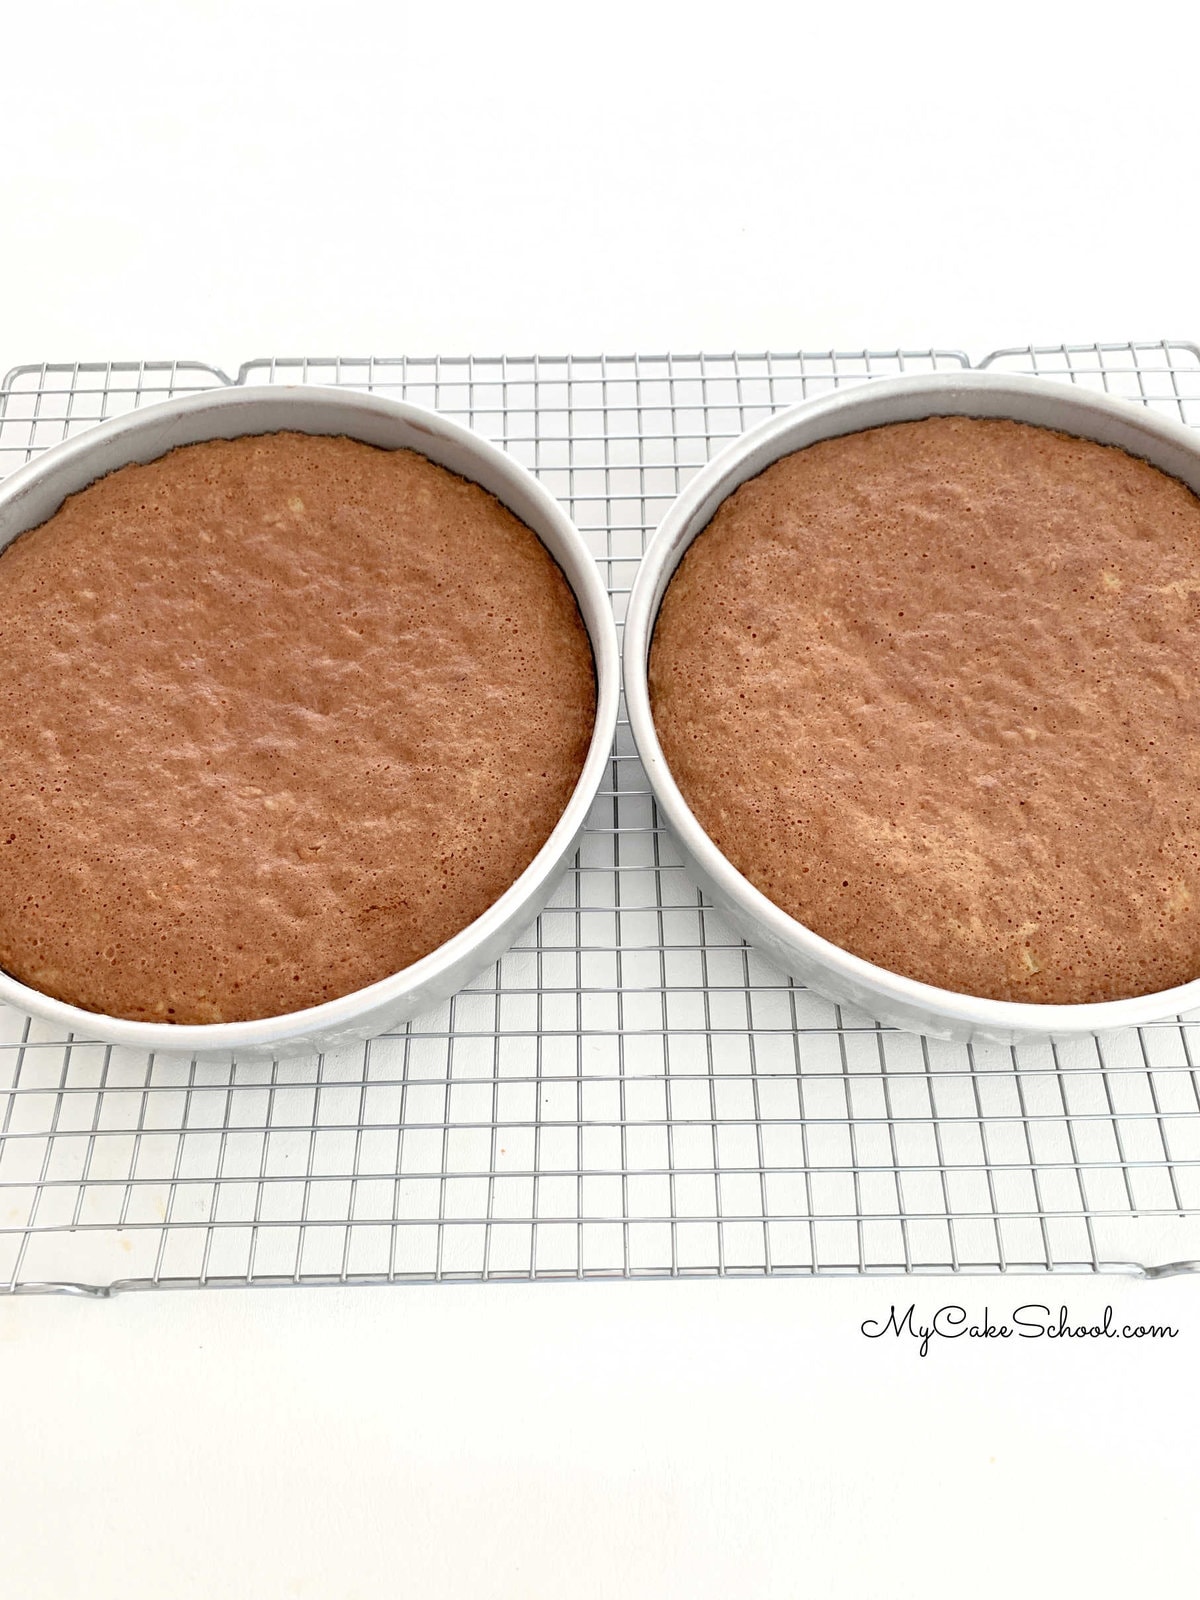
279	715
934	688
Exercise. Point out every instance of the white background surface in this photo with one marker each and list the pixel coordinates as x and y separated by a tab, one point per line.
227	180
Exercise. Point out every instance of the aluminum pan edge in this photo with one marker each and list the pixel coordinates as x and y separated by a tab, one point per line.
36	490
801	953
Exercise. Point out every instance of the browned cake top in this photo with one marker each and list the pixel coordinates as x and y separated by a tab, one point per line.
278	716
933	689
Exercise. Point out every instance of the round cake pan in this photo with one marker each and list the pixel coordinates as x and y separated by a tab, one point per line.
35	492
800	952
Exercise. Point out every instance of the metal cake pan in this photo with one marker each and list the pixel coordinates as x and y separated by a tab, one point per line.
799	951
35	492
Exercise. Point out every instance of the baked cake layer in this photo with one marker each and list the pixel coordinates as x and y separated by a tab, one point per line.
933	688
278	716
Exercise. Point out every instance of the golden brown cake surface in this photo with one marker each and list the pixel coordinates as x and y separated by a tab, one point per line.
278	716
934	688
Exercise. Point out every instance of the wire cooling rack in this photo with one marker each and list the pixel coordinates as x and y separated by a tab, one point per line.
631	1091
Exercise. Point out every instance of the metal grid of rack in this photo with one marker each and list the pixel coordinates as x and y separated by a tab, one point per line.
631	1091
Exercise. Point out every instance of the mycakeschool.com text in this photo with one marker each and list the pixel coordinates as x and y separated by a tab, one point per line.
1032	1322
